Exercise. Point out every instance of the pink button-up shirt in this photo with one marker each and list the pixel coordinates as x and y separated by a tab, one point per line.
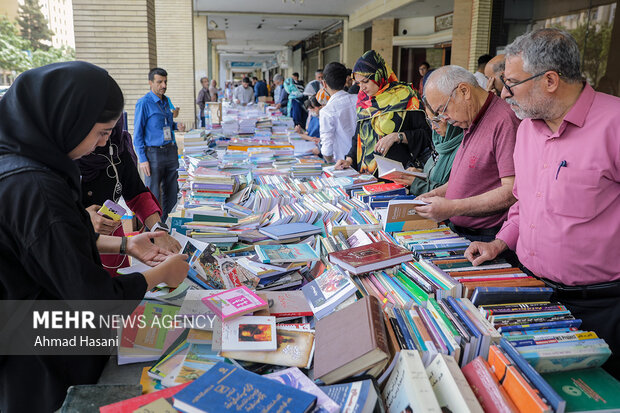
566	223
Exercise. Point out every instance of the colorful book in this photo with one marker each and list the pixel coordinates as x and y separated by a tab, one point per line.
588	390
287	231
199	359
234	303
328	291
249	333
371	257
275	254
450	386
485	385
131	405
284	304
206	393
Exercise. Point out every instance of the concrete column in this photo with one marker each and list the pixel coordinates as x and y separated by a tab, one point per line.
175	54
382	34
471	32
352	43
201	59
118	35
610	83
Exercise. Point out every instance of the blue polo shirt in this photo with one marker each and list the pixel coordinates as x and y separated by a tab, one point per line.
152	114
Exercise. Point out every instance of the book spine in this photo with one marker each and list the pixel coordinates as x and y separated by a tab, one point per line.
558	404
486	388
375	312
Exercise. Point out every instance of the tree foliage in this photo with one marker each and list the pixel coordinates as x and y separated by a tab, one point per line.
33	25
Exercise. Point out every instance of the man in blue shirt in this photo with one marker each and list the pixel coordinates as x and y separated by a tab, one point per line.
154	141
260	88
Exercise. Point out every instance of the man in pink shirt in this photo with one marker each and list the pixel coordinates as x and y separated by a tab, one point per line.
565	226
479	191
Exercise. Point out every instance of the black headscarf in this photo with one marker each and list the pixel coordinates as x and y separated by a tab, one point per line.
120	141
48	111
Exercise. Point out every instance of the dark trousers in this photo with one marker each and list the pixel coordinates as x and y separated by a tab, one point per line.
601	315
203	123
163	180
476	234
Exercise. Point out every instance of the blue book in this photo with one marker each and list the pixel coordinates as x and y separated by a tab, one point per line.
539	326
403	328
503	295
226	388
355	397
276	254
558	404
454	305
288	231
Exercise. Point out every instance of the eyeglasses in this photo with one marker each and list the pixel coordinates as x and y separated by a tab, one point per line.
439	114
509	87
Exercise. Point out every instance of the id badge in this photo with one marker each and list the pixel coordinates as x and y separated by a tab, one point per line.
167	133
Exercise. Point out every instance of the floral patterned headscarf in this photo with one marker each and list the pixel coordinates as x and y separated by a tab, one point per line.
383	113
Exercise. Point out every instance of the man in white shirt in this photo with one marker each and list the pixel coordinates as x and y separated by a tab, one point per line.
244	94
479	74
337	119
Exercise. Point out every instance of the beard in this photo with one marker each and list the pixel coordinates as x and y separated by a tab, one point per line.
537	106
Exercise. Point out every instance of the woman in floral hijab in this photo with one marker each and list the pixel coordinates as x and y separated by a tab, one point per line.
390	121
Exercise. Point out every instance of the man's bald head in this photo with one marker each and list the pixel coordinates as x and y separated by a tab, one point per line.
493	70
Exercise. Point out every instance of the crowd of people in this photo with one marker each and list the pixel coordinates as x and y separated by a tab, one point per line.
522	155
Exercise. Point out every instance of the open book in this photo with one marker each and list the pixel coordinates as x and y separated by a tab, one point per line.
389	169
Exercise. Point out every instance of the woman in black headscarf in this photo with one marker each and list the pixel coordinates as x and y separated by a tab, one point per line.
48	249
109	172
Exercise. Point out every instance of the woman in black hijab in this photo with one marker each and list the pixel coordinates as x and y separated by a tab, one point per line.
48	249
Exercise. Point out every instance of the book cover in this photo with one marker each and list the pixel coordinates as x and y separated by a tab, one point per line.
234	302
379	188
287	231
354	397
328	291
371	257
408	386
274	254
526	397
295	349
130	405
231	388
401	216
359	329
485	385
451	387
198	359
286	303
592	390
249	333
293	377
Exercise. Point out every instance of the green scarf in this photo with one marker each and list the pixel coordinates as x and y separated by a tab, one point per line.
438	169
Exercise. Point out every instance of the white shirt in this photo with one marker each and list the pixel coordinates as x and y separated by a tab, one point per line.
243	95
482	79
337	124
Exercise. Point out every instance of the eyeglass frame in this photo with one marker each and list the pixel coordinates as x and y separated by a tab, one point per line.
509	88
438	116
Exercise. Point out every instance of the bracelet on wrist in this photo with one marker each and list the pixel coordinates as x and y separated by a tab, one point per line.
123	248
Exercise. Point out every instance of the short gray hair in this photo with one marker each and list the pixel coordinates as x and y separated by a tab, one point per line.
548	49
278	77
447	78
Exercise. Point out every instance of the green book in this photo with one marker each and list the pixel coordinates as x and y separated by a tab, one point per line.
215	218
589	390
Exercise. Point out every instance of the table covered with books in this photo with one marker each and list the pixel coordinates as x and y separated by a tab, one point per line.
315	289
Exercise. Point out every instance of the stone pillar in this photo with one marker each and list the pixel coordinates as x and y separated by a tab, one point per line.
353	44
201	58
175	54
471	32
382	35
118	35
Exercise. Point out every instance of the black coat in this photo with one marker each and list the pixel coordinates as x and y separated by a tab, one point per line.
47	243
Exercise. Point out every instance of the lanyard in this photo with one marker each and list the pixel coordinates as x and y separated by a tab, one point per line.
163	112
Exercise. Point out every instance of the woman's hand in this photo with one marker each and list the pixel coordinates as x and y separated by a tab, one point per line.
344	163
384	144
141	247
102	225
168	243
172	271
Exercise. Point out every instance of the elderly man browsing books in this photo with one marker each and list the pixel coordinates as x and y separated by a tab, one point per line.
478	193
565	225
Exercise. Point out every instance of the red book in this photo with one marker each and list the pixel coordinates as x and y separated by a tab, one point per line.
374	189
375	256
485	385
129	405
